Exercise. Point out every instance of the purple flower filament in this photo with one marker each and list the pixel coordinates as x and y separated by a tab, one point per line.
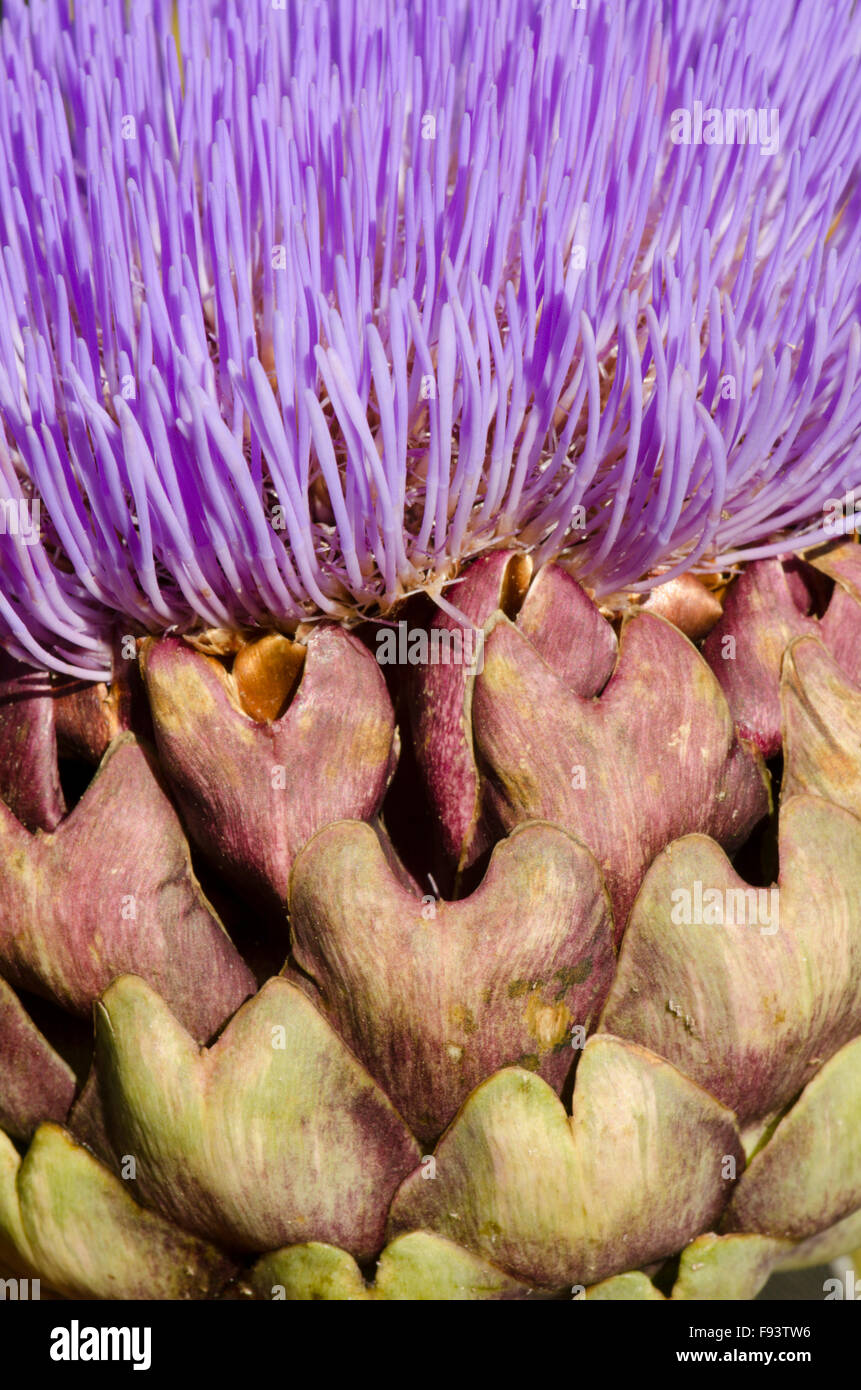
301	306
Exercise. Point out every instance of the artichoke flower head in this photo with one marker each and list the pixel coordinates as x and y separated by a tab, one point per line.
430	646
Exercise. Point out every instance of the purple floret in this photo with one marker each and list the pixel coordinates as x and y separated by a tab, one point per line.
300	307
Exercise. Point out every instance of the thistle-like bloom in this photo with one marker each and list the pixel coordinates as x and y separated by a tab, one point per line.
303	304
530	307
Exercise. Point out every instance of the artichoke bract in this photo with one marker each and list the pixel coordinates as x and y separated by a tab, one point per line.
430	648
